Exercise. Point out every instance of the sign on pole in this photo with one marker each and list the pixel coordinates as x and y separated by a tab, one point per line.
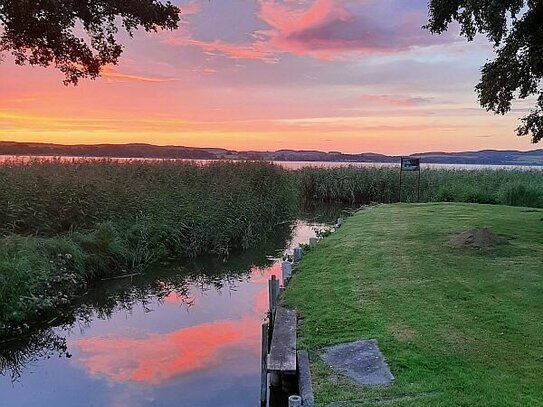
409	164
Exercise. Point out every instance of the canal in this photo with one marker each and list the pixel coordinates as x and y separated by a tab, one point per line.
185	333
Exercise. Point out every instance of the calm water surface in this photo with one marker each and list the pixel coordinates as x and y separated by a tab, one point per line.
291	165
181	335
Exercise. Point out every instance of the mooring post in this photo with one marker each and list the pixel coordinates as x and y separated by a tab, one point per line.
264	366
294	401
276	291
270	296
286	270
273	295
297	255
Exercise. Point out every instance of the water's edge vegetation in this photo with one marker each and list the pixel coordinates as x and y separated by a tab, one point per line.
381	185
65	225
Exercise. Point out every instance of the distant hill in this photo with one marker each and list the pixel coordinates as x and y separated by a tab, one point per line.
138	150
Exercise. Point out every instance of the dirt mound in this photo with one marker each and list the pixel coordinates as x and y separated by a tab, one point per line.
478	238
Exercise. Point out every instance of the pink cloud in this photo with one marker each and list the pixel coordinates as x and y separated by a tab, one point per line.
323	29
252	51
327	30
190	9
399	101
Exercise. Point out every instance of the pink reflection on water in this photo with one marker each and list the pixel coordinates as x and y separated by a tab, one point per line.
175	298
157	358
262	275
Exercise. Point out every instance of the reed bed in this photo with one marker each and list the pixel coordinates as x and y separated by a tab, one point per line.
63	225
355	185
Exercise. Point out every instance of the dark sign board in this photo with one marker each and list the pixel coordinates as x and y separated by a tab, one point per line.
410	164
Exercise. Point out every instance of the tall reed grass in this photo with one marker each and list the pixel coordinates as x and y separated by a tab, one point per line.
64	225
357	185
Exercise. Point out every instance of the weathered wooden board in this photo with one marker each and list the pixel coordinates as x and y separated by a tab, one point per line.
264	371
304	379
282	357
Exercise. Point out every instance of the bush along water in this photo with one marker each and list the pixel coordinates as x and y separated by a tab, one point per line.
64	225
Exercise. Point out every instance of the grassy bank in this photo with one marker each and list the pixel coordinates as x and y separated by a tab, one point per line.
370	184
64	225
458	326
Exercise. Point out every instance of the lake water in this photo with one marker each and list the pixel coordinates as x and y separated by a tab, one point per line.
291	165
184	334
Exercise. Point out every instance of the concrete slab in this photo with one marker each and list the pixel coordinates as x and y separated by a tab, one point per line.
362	361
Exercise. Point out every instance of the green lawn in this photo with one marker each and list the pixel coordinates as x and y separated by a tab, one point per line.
458	326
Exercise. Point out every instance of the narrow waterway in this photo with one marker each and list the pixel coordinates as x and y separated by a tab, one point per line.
182	334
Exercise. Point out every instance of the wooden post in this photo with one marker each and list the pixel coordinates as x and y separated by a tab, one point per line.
264	366
273	295
286	269
294	401
297	255
276	291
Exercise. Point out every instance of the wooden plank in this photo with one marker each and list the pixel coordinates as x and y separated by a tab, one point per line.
304	379
282	357
271	296
264	371
276	290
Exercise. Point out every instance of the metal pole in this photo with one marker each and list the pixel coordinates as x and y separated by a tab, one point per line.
400	190
418	186
294	401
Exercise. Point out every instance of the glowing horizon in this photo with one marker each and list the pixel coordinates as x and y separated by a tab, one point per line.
351	76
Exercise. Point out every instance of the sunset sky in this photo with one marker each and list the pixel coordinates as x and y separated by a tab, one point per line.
333	75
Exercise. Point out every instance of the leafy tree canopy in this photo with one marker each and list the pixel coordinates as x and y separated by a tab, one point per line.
76	36
515	27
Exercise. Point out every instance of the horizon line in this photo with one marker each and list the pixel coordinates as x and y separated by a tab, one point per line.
260	151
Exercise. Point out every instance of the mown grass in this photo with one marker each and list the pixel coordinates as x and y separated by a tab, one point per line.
458	326
64	225
381	185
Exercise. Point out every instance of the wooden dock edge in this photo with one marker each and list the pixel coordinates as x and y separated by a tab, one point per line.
304	379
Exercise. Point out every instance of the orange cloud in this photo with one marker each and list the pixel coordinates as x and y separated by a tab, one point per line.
112	75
